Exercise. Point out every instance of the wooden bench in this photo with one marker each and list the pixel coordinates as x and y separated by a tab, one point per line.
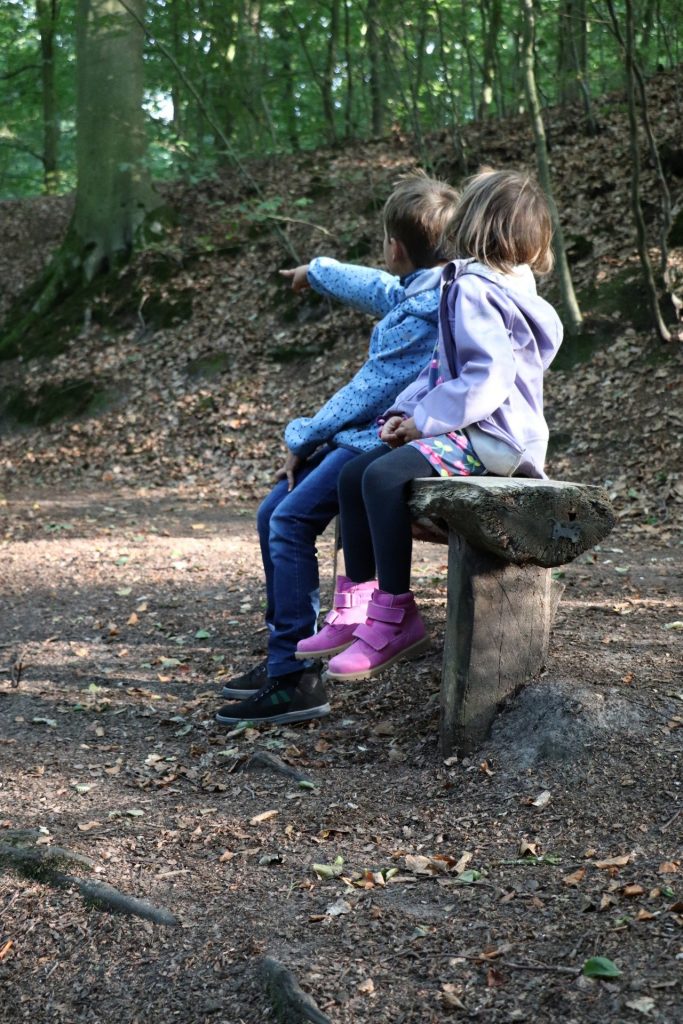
504	536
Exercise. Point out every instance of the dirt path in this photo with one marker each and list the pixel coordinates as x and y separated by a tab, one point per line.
128	608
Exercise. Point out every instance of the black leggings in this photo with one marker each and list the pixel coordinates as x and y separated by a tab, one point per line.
375	521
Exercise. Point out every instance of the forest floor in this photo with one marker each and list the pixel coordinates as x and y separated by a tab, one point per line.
396	886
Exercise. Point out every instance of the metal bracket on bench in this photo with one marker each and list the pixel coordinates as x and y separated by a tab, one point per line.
563	530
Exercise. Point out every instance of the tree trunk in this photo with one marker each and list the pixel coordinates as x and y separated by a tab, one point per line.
47	13
641	235
375	61
113	196
491	18
327	87
569	300
446	57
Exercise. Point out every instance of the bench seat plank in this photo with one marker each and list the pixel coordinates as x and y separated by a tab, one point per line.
523	521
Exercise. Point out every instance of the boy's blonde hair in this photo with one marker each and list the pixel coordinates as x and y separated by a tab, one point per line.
419	213
503	220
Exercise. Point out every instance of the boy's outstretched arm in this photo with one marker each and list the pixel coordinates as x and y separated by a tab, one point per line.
298	276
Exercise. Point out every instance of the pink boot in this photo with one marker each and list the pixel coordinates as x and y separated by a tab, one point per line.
349	610
392	630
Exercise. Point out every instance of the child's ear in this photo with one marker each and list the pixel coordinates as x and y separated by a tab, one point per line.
399	252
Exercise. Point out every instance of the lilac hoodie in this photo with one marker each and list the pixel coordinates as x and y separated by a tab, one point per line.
496	339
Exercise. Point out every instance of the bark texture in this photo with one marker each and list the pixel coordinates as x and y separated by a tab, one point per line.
526	522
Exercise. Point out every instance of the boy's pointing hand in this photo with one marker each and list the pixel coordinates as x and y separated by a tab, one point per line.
298	277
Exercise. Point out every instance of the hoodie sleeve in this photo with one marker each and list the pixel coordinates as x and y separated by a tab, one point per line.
364	288
487	368
366	395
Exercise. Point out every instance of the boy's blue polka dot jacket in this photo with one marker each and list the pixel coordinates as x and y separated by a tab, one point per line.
401	344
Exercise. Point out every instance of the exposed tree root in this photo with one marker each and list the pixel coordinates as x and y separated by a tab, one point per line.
291	1004
42	864
263	759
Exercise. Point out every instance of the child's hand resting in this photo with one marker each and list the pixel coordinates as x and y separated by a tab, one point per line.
298	277
389	432
293	464
407	431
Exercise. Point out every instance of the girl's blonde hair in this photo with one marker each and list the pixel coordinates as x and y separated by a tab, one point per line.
503	220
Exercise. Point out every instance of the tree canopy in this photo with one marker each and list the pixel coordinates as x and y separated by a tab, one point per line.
228	78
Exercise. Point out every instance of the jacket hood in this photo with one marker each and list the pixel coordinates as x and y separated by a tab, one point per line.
520	284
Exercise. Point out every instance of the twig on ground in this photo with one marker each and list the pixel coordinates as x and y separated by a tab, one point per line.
664	827
290	1002
16	668
264	759
482	960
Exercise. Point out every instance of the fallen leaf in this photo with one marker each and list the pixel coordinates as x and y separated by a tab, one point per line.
600	967
450	997
494	978
367	987
644	1004
88	826
263	816
615	862
669	867
633	890
575	878
542	799
4	950
340	906
527	849
327	871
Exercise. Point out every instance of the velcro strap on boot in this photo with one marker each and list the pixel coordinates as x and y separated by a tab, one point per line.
372	637
331	617
384	614
350	600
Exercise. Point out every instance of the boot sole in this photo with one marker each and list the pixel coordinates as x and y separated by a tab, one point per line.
328	653
369	673
288	716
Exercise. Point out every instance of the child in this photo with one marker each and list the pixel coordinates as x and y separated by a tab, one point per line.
286	687
477	408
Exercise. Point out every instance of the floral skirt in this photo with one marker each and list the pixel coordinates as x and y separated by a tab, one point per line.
450	454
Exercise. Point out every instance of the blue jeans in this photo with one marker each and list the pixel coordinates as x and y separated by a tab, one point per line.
289	524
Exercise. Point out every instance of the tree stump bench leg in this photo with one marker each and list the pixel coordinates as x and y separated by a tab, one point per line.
498	621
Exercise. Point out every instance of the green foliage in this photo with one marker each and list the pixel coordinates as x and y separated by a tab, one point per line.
294	75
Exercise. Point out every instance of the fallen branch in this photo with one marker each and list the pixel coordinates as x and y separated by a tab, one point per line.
263	759
291	1004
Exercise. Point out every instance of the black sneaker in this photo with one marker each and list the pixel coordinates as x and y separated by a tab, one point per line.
281	701
249	682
